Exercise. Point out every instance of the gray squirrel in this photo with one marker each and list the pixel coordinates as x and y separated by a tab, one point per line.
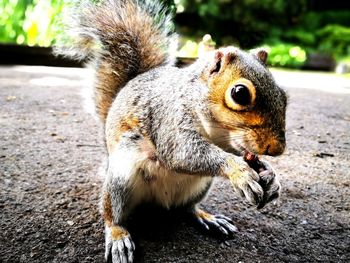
169	131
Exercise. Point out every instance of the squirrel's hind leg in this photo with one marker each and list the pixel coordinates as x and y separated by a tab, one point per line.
117	189
119	245
213	224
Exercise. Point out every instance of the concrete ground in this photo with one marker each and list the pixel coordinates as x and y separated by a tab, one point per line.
51	150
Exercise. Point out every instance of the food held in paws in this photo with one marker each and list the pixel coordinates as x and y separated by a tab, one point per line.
254	162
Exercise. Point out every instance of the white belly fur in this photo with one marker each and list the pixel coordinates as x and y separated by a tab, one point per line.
165	187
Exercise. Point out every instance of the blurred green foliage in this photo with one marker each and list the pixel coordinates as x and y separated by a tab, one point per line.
289	29
30	22
315	36
335	40
282	55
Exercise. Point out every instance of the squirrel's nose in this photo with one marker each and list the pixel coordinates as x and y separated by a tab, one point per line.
275	147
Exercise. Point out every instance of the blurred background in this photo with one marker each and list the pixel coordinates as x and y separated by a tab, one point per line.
302	34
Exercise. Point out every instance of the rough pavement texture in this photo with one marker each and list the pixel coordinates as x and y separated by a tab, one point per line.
51	150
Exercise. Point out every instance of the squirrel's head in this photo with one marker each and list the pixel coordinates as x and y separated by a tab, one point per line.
246	108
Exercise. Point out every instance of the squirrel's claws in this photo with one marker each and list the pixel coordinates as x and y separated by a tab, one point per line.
254	192
216	224
270	184
226	218
271	192
120	251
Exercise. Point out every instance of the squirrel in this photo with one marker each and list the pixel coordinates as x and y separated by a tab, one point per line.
169	131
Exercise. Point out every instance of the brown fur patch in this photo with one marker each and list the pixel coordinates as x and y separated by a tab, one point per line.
118	232
107	209
267	143
264	141
115	132
105	90
229	119
128	124
200	213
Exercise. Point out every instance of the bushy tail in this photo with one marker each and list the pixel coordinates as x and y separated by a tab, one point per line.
122	38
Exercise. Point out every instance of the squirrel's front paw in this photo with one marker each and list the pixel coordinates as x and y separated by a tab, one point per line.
245	181
270	184
119	246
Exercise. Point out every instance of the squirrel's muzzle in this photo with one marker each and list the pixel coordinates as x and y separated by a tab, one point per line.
275	147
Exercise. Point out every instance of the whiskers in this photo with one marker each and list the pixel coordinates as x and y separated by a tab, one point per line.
236	141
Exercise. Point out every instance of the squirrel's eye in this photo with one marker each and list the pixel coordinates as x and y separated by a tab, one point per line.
241	95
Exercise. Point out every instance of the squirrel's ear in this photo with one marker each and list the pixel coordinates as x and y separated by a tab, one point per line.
261	55
216	66
221	59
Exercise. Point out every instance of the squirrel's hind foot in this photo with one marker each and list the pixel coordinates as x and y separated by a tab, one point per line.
215	224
